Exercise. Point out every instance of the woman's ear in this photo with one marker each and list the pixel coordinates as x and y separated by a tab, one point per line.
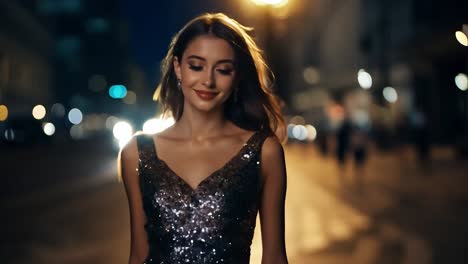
177	70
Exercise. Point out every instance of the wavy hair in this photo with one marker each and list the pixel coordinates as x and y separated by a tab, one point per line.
252	105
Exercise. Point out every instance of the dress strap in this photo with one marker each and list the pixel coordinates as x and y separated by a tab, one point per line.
256	141
145	144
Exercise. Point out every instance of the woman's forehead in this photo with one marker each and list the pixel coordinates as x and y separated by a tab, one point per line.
210	48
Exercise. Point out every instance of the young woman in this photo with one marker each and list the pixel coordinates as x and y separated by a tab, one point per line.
194	190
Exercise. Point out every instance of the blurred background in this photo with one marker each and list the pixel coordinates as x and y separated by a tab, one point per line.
375	96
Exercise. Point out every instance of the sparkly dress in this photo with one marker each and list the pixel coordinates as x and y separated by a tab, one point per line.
213	223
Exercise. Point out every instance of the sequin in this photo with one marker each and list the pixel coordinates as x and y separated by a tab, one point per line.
213	223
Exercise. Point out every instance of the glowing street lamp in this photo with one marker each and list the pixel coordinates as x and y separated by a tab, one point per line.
272	3
272	11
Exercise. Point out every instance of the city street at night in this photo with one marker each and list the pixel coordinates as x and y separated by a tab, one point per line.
369	100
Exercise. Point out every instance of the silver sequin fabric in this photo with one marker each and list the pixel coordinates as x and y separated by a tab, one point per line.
213	223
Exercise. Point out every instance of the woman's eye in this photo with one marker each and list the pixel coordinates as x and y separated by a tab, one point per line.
225	71
195	68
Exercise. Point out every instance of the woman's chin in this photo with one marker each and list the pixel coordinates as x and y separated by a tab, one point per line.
206	107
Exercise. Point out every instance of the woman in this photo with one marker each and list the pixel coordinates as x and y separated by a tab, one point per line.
194	190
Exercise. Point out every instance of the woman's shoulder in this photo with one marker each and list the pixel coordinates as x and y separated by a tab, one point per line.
138	142
267	141
272	147
129	152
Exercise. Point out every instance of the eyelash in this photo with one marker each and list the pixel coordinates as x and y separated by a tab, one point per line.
199	68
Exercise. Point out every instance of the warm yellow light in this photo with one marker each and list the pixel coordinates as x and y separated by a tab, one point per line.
274	3
3	112
462	38
39	112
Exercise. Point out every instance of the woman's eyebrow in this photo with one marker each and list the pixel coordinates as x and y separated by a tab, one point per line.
196	57
226	61
203	59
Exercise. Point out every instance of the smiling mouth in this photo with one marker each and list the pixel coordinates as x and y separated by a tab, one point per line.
205	95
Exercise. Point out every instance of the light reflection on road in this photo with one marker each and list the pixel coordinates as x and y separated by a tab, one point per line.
314	217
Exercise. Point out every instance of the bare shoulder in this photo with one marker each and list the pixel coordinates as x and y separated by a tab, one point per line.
272	149
128	160
273	165
130	150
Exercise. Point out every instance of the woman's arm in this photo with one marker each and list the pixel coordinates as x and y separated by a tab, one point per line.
272	203
128	169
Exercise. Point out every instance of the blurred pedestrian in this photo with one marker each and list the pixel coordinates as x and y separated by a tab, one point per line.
343	141
360	143
343	144
192	198
421	135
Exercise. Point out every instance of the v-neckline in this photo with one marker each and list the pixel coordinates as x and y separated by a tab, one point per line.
210	175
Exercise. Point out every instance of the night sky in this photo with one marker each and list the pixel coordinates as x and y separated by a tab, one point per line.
152	24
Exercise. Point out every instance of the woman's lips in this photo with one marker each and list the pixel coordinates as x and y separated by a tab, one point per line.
205	95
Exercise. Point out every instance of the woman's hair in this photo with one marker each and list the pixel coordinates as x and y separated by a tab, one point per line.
252	105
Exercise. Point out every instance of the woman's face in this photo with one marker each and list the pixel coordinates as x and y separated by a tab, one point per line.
207	72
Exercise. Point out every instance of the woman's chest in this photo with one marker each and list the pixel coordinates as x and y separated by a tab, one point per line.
228	195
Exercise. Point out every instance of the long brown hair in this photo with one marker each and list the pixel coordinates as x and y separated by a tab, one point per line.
252	105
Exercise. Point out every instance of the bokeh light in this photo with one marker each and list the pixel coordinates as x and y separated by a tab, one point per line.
290	129
462	38
130	98
58	110
75	116
297	120
49	129
39	112
3	112
111	121
76	132
94	122
9	134
274	3
390	94
311	132
364	79
117	91
461	81
311	75
299	132
122	132
156	125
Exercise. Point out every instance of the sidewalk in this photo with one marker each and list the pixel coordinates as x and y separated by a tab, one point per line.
415	212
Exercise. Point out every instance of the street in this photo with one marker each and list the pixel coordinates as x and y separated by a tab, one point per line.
400	212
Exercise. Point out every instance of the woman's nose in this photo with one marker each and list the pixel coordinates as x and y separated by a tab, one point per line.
209	79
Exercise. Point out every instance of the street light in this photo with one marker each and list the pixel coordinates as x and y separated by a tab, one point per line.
274	58
272	3
270	8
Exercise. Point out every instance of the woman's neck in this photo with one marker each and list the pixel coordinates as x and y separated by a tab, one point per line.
201	125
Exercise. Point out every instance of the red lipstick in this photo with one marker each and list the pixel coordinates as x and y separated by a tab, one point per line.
205	95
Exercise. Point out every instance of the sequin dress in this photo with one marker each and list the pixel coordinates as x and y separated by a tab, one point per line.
213	223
